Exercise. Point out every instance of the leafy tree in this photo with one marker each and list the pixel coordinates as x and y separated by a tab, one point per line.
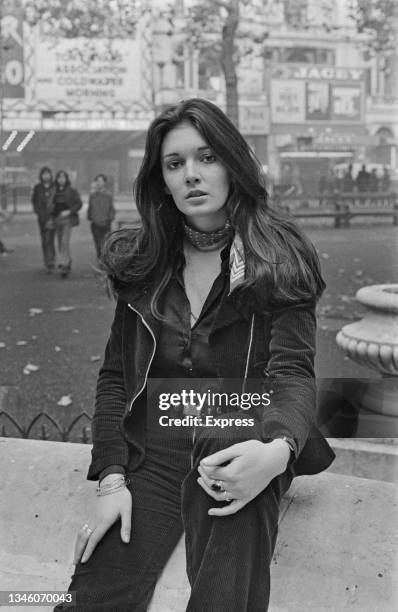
84	18
378	19
227	30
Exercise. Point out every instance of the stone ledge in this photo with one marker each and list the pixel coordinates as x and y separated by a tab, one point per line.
337	548
375	458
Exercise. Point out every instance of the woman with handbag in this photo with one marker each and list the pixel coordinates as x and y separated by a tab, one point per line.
215	286
64	216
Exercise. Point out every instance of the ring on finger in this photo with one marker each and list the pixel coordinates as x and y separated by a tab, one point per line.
227	496
87	529
217	486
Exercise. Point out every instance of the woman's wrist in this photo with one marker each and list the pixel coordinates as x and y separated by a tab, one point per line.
283	454
111	470
112	484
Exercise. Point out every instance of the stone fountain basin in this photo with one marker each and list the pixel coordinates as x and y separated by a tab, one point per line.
379	297
373	341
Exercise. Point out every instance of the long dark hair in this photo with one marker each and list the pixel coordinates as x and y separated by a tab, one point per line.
67	182
43	170
281	263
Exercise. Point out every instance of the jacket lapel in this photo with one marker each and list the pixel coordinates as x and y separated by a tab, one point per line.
230	311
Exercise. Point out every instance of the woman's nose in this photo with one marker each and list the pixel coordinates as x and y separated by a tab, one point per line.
191	174
191	180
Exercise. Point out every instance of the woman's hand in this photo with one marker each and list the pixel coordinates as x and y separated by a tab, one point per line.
251	467
64	214
107	510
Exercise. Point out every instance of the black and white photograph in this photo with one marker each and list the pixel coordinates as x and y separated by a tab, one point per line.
199	305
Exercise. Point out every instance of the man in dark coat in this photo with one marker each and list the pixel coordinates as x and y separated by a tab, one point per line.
42	200
363	179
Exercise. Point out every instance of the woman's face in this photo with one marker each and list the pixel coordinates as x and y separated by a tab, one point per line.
100	183
197	181
61	180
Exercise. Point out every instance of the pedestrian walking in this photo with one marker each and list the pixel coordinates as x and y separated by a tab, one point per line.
100	212
363	179
373	180
348	180
42	201
385	180
64	216
214	285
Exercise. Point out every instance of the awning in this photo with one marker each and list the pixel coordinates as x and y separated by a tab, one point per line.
315	154
337	137
63	141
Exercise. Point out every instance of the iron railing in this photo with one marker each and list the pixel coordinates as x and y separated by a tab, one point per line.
45	427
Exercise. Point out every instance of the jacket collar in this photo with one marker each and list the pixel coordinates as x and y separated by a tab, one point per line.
230	309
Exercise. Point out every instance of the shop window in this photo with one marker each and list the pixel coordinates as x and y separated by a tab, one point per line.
308	55
385	136
304	143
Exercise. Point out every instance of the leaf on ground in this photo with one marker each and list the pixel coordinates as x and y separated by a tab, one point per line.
34	337
359	272
64	308
35	311
57	349
21	343
356	259
325	255
75	331
31	367
65	401
346	298
95	357
341	270
323	310
2	345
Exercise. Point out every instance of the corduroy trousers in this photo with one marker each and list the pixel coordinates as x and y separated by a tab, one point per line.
228	558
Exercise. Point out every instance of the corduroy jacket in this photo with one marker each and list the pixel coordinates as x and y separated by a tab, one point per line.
276	345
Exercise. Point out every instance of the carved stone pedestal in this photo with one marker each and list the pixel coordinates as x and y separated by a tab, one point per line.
373	342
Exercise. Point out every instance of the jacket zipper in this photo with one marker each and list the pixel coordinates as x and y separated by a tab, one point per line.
249	350
150	361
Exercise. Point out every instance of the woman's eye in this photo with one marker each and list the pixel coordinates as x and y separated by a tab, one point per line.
172	165
209	158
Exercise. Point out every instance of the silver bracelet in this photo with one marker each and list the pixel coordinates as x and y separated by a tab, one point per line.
106	489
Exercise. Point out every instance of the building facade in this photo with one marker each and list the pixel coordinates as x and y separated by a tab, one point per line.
309	97
77	104
309	101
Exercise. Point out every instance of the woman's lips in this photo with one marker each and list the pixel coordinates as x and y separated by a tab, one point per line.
197	199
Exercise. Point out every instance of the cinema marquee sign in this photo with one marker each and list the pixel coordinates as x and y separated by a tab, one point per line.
324	73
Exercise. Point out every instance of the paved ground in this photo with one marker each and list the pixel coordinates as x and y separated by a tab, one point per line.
67	345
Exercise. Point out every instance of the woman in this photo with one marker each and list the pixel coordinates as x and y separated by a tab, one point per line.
42	200
213	286
66	204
